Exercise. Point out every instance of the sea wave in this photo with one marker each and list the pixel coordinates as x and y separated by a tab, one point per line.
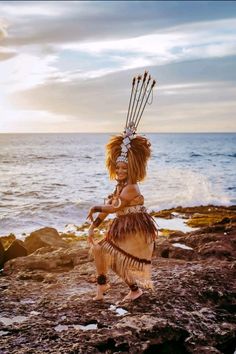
54	179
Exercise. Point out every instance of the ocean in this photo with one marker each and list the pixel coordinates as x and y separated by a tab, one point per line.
53	179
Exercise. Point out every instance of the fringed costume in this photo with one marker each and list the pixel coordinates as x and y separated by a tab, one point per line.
128	246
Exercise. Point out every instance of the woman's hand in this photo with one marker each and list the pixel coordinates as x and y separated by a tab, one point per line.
90	236
90	214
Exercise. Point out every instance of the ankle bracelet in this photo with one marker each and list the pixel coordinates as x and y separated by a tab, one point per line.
133	287
101	279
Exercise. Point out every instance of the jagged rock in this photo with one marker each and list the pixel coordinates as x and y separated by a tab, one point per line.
218	245
179	252
7	240
205	350
44	237
217	249
2	251
49	259
190	310
162	249
176	234
16	249
167	249
207	218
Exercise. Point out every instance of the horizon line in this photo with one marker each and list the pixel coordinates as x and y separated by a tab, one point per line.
112	132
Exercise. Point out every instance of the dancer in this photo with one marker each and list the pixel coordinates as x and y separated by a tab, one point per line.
129	242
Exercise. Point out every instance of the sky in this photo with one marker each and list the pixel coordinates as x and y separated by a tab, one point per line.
67	66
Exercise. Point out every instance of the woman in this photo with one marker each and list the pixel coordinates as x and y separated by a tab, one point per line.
129	242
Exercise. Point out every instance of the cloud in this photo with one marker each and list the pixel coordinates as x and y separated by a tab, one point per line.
25	71
26	121
209	116
181	44
71	62
181	92
63	22
3	29
32	9
6	55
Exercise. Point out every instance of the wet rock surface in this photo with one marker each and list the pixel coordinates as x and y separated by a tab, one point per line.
47	307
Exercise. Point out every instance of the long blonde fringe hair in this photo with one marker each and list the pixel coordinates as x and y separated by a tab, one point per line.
138	155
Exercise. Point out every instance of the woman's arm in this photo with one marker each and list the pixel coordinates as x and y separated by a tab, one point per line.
99	219
128	193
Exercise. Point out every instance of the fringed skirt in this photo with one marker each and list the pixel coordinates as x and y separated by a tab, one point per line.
128	247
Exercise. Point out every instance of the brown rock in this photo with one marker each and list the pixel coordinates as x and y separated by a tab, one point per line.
59	259
176	233
190	310
44	237
176	250
216	249
182	253
16	249
166	214
205	350
162	249
1	254
7	240
213	244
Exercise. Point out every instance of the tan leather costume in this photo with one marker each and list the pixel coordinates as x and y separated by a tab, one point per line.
129	242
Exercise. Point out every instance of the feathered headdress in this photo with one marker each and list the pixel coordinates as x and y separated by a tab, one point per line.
137	103
129	147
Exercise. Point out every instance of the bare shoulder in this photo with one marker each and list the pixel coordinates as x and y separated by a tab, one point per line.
130	191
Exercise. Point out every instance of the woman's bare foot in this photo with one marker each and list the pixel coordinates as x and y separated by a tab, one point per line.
101	289
133	295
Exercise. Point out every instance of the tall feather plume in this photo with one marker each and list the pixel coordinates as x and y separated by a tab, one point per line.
138	99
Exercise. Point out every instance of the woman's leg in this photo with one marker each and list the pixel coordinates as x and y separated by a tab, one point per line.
134	292
102	265
129	279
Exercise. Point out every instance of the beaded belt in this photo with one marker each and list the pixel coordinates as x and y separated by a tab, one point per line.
132	209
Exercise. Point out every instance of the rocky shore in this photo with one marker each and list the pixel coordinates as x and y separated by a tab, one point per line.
47	282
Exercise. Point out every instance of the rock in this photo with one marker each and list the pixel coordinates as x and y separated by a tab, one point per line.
16	249
167	249
166	214
162	249
2	251
211	217
53	260
44	237
180	252
176	233
190	310
217	249
7	240
218	244
205	350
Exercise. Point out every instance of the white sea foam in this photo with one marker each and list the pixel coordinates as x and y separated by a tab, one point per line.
181	245
173	224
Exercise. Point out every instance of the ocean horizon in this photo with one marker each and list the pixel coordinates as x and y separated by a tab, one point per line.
52	179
